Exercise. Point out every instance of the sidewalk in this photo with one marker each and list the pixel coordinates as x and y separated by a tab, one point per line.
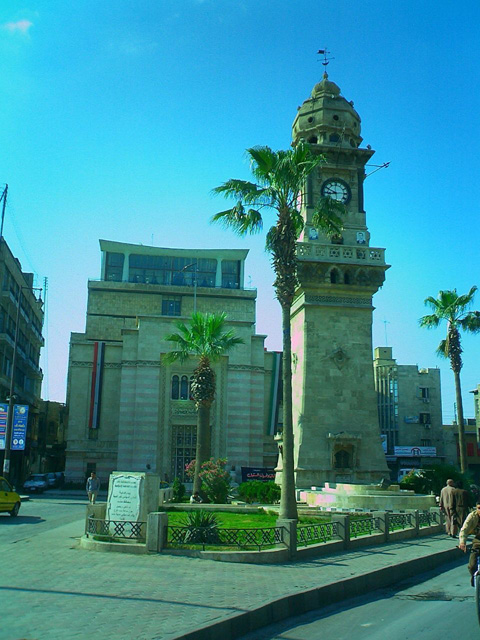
51	589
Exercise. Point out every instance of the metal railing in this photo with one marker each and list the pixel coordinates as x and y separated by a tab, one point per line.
315	533
364	526
240	538
125	529
400	521
428	518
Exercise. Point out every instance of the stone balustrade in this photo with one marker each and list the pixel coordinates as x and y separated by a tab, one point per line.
343	253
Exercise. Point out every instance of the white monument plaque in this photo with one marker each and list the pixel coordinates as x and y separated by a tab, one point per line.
124	498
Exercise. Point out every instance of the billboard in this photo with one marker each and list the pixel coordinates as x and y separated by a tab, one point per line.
264	474
412	452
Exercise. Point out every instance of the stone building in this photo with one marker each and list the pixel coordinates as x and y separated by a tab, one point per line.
410	413
129	410
337	436
20	305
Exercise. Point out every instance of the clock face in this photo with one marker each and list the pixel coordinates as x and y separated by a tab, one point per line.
337	190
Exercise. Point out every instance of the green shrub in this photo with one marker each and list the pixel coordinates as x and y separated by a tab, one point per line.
178	490
257	491
215	479
433	479
202	526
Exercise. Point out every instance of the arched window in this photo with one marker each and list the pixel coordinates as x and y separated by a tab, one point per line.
175	387
333	276
342	459
347	278
184	388
313	139
190	388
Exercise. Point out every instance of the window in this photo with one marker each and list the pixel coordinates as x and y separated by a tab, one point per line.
231	274
91	468
183	450
114	266
425	418
342	459
175	387
180	272
184	395
426	443
171	306
470	449
424	393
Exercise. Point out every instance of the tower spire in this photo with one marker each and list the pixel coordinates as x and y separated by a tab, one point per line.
326	60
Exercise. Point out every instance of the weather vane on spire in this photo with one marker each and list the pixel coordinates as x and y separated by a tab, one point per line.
326	59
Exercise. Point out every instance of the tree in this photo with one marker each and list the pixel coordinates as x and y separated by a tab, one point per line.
280	180
206	339
451	307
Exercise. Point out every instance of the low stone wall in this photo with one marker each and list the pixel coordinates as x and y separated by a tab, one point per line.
343	533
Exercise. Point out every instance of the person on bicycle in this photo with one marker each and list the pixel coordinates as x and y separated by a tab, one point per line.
471	525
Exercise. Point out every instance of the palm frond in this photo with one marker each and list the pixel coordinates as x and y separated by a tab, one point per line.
442	349
328	215
430	321
471	322
239	220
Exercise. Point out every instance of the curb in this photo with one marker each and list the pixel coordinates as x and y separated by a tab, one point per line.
302	602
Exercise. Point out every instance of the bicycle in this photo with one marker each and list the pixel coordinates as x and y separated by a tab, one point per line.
476	579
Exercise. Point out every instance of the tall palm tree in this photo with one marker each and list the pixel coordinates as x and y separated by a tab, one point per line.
451	307
280	180
206	339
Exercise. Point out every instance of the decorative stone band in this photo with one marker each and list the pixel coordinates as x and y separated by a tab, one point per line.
335	301
246	367
335	252
107	365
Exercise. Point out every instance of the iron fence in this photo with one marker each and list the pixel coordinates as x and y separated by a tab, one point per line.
400	521
116	528
315	533
240	538
364	526
428	518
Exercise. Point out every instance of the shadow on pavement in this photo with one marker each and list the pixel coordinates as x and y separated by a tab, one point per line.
9	521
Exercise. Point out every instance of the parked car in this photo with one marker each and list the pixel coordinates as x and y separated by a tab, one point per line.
52	479
36	483
9	498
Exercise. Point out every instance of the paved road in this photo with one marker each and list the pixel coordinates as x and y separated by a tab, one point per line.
52	590
435	605
41	513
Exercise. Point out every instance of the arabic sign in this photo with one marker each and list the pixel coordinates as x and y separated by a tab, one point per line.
3	425
264	474
19	427
411	452
411	419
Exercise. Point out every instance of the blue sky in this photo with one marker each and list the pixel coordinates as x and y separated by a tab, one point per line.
119	118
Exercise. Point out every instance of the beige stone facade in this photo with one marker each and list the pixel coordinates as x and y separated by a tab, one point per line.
410	413
145	419
337	436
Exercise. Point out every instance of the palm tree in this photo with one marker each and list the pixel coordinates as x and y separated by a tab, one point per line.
451	307
280	180
206	339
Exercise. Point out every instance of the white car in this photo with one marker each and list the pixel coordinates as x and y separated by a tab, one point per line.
36	483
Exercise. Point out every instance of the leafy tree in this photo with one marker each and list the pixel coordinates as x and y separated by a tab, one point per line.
451	307
280	181
205	339
215	480
433	478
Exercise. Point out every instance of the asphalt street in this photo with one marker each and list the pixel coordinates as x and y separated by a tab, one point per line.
434	605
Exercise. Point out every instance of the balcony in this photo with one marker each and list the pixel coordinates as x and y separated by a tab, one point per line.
360	255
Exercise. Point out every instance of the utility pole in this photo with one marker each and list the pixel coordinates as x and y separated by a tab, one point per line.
4	198
12	397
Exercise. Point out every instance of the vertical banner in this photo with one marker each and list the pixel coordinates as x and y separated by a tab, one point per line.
19	426
96	387
275	393
3	425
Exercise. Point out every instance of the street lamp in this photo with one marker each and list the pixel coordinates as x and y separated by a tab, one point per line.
11	396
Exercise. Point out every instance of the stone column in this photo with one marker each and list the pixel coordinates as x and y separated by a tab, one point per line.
156	534
343	521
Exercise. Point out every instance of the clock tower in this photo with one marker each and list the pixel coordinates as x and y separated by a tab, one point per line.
336	428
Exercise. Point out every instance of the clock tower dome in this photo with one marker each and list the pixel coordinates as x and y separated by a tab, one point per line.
336	427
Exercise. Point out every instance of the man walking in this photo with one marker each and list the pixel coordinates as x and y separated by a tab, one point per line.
462	503
447	506
93	487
